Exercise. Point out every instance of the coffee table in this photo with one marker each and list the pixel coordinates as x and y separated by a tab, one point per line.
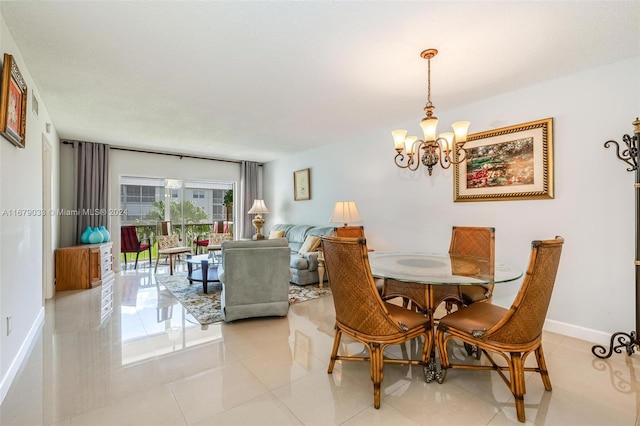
202	269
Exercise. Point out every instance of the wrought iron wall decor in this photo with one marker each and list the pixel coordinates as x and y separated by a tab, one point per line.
630	154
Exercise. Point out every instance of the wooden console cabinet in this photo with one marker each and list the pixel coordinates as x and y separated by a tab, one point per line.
87	266
82	267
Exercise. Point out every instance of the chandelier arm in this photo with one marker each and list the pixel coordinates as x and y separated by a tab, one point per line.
461	154
411	163
445	159
417	146
399	159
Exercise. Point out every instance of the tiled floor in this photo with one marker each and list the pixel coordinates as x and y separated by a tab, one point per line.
150	364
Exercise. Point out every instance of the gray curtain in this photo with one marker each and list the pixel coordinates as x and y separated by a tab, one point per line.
249	183
91	186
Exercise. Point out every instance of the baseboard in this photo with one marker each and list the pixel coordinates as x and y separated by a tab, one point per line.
21	356
571	330
596	336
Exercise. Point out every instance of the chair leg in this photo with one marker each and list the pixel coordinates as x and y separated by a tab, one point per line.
136	265
157	260
377	370
334	351
149	256
442	349
125	260
542	365
516	371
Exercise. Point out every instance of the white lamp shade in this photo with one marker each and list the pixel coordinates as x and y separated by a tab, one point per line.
409	142
345	212
398	138
429	126
460	128
258	207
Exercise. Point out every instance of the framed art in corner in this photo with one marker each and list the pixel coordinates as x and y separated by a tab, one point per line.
13	103
510	163
301	185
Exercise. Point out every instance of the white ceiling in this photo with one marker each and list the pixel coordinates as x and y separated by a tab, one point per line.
259	80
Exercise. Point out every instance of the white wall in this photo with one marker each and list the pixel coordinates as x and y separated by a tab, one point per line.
593	206
21	249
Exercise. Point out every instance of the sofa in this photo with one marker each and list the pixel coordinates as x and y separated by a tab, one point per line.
255	279
303	263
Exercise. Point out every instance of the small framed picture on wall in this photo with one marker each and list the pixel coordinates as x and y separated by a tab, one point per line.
301	185
13	103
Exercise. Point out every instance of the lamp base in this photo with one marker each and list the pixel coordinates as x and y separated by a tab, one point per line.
258	222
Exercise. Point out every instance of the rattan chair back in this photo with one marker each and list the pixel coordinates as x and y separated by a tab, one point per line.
479	242
524	321
357	302
473	241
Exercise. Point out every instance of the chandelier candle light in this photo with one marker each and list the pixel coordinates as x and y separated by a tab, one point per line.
447	148
258	208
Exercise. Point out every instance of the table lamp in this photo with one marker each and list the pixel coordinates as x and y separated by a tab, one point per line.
345	212
258	208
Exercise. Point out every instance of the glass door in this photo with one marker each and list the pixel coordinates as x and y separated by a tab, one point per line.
194	208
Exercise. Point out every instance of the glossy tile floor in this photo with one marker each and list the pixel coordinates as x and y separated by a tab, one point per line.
151	364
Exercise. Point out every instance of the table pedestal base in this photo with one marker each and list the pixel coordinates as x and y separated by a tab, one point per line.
431	372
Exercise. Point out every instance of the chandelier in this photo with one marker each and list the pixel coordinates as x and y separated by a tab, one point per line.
446	149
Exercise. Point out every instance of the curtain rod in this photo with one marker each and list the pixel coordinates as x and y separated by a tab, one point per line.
181	156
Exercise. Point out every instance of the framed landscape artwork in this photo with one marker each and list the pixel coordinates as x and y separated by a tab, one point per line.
13	103
510	163
301	185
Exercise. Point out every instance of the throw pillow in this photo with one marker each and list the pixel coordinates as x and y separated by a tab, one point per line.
276	234
311	243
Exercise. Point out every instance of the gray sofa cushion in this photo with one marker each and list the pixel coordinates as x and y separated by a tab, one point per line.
304	266
296	236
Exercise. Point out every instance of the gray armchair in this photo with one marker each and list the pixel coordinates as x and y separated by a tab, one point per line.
255	278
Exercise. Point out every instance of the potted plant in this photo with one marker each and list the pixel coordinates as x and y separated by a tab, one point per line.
228	203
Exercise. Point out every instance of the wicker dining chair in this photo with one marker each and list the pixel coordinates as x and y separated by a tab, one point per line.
475	242
511	333
362	315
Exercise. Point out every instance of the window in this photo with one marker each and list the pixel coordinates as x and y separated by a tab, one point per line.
149	201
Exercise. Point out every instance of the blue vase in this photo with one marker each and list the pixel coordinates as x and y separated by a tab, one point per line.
84	238
105	234
96	236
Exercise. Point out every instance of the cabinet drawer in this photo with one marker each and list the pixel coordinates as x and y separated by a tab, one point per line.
106	310
105	250
106	271
107	289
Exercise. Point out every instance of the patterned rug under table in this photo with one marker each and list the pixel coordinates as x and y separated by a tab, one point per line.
206	307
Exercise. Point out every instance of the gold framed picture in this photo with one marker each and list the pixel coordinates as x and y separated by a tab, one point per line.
13	103
301	185
510	163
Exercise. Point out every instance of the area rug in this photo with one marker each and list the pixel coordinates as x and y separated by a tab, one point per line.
205	308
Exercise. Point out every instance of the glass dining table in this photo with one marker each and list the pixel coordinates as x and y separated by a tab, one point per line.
439	274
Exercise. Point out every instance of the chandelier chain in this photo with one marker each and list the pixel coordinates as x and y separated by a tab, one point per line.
429	104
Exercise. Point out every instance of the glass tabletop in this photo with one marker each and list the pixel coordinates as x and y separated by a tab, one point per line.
197	260
436	268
